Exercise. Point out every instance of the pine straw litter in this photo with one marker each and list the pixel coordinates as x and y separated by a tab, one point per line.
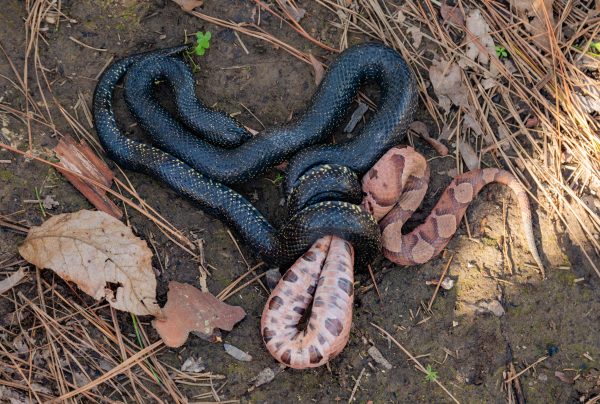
534	112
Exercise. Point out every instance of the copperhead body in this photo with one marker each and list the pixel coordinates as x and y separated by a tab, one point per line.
394	188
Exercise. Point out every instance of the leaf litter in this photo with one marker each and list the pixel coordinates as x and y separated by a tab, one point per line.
536	12
98	253
481	45
318	69
189	309
13	280
447	82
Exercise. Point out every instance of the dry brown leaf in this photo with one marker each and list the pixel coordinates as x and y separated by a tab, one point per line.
452	14
189	5
480	44
319	72
12	281
563	377
469	122
98	253
417	36
447	132
189	309
447	82
421	129
535	11
468	155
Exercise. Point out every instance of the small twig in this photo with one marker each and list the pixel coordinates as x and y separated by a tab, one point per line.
108	62
374	282
437	287
245	261
356	385
543	358
517	385
253	116
86	45
13	226
241	43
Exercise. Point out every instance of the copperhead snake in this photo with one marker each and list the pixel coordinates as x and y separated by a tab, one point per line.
394	188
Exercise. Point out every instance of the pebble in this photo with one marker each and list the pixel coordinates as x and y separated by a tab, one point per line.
378	357
237	353
193	365
493	306
265	376
272	278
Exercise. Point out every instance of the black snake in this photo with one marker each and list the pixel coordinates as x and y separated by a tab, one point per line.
202	150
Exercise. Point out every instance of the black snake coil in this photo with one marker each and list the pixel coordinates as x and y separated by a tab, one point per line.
321	182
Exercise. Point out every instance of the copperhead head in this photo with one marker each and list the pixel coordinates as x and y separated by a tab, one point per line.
394	188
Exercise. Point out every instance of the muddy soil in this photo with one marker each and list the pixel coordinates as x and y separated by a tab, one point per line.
469	347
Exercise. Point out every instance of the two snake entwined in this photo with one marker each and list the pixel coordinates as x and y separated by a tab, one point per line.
203	150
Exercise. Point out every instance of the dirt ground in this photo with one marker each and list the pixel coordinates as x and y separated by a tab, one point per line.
469	347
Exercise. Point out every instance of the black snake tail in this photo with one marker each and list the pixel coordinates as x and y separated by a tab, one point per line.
197	167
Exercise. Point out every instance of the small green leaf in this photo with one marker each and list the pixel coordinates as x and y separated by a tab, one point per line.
202	42
595	47
501	52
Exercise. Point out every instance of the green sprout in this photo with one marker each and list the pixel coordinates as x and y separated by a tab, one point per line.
138	335
593	49
38	196
278	179
202	43
430	374
501	52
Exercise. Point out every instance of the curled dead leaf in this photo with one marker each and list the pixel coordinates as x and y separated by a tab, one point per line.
479	42
469	156
98	253
319	72
417	35
469	122
563	377
447	82
189	5
189	309
421	129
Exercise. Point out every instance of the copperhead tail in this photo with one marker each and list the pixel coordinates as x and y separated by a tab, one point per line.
392	199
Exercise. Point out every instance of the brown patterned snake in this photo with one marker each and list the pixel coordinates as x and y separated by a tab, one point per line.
394	188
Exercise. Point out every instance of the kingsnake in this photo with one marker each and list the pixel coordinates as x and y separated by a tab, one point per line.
200	167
